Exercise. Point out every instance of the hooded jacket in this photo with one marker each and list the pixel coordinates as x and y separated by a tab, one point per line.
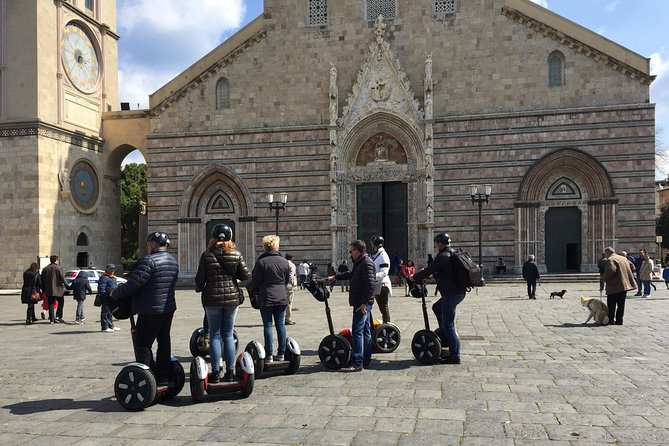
216	275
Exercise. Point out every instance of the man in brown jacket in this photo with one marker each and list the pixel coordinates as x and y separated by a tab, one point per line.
53	284
619	280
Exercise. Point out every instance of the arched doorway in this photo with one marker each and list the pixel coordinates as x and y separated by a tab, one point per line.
568	191
215	195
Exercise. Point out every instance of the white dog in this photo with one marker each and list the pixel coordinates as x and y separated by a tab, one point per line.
598	310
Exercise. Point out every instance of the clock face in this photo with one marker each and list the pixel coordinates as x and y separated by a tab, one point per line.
84	186
80	60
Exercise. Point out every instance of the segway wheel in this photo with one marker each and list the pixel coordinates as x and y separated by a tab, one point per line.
195	344
196	384
247	387
179	377
386	338
426	347
253	349
294	362
135	387
334	352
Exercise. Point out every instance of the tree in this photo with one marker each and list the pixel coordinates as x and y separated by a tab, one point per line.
662	227
133	190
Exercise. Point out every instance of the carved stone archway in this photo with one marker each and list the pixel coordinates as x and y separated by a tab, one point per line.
566	178
216	192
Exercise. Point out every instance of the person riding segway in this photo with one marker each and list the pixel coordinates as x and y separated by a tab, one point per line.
451	291
149	293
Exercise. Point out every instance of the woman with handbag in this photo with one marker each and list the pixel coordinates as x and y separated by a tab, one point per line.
220	267
31	291
271	274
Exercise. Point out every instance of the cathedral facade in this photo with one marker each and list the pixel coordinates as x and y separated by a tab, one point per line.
376	118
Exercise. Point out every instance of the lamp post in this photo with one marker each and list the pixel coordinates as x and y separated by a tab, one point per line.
277	205
480	195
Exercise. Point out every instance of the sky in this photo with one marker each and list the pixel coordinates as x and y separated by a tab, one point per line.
161	38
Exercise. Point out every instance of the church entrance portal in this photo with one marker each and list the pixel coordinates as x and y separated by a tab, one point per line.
563	239
382	209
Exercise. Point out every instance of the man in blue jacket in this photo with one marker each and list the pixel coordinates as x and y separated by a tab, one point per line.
361	298
151	287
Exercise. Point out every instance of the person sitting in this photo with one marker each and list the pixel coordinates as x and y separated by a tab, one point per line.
500	267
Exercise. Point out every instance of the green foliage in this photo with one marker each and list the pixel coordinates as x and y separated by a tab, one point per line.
133	190
662	227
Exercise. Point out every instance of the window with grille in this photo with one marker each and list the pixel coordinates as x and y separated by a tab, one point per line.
555	69
318	12
222	94
375	8
444	6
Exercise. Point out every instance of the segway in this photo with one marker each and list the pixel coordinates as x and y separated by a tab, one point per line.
200	347
425	345
334	350
289	365
135	386
385	337
200	385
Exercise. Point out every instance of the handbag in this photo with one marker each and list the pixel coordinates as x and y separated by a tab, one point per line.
35	295
98	300
240	293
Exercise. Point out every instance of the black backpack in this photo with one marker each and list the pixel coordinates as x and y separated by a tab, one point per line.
467	274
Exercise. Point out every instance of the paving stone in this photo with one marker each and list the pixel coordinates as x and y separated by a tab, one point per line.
576	385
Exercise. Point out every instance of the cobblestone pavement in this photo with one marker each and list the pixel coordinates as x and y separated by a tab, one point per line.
531	374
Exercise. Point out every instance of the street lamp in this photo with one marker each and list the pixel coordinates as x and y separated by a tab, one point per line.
480	195
277	205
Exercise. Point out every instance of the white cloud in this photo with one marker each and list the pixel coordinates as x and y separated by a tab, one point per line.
161	38
543	3
613	6
659	89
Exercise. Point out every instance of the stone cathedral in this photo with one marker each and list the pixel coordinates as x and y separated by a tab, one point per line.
376	117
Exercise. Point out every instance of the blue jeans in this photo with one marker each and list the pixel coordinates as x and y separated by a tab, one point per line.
106	320
362	338
444	309
646	287
277	312
221	324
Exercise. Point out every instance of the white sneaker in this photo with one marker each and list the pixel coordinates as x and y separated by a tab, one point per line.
116	329
645	296
108	330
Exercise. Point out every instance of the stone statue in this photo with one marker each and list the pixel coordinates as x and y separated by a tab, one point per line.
379	29
428	67
381	151
64	179
380	90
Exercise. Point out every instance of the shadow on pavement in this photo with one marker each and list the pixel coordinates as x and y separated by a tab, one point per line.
38	406
567	325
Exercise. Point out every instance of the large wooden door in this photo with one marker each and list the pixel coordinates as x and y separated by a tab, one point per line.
382	210
563	240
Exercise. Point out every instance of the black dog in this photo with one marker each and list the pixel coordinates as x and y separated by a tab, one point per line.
558	294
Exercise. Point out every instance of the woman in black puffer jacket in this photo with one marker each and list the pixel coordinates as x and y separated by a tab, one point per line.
220	267
271	274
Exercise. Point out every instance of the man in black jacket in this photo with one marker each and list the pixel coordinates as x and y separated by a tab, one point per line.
531	276
361	298
452	293
151	288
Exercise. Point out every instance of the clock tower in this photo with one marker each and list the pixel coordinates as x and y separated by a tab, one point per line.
58	74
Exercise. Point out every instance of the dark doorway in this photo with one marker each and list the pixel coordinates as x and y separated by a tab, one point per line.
382	210
82	260
211	223
563	240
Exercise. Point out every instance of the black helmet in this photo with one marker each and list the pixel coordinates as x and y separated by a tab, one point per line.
444	239
159	237
377	240
222	232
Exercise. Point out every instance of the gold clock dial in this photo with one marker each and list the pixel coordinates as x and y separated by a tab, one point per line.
79	58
